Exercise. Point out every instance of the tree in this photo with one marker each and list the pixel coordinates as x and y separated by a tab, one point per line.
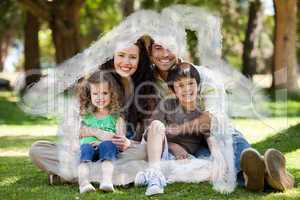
127	7
63	19
31	49
10	27
285	58
254	28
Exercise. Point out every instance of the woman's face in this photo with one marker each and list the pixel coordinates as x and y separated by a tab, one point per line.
126	61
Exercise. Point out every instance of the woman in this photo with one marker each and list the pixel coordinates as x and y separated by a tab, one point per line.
131	69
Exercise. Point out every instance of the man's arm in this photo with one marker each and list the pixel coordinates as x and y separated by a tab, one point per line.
198	126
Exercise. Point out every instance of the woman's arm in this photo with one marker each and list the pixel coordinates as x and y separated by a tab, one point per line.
121	127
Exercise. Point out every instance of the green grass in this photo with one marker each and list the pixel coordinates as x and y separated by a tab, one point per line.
20	179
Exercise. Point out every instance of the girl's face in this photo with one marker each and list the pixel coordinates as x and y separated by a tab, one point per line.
126	61
100	95
186	90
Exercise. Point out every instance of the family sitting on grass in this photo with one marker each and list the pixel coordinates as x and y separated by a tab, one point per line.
179	127
146	116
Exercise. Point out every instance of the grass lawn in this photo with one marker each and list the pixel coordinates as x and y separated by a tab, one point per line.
20	179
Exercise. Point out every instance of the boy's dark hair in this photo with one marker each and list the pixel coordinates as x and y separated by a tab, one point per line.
180	70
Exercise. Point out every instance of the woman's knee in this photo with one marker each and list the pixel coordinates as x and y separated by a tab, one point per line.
37	149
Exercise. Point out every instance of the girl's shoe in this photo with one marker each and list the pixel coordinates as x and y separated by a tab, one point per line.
140	179
86	188
277	176
107	187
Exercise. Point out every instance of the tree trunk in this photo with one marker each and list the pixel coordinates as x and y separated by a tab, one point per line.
284	59
31	49
127	7
250	49
63	18
65	31
5	41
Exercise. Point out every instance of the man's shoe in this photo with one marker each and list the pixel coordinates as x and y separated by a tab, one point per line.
277	176
253	167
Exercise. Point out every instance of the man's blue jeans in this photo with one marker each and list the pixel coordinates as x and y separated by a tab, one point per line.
106	150
239	144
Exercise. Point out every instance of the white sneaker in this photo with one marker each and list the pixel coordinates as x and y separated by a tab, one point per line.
107	187
152	190
140	179
156	182
86	188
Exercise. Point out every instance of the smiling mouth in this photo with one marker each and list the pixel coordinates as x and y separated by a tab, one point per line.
189	94
100	102
125	69
165	61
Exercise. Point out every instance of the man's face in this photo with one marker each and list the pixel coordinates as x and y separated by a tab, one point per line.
186	90
163	58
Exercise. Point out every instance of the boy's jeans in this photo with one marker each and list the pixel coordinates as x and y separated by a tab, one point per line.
239	144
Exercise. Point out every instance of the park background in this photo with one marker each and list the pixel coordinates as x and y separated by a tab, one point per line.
260	38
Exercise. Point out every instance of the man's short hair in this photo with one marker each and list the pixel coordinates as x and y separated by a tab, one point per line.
182	70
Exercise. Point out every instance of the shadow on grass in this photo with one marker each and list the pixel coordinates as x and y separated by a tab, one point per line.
22	141
286	141
11	114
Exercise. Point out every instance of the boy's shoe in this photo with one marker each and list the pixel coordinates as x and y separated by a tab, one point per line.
86	188
156	182
253	167
140	179
107	187
277	176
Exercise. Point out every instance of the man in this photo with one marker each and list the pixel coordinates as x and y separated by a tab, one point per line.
249	164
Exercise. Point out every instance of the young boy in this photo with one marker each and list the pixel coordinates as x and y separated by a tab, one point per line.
184	81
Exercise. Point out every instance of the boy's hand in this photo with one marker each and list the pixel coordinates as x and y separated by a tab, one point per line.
178	151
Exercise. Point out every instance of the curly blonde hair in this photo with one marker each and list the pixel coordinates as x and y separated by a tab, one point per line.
83	92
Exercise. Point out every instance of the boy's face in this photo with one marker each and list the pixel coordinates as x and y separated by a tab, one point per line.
100	95
163	58
186	90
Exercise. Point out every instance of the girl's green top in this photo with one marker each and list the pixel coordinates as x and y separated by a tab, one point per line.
106	123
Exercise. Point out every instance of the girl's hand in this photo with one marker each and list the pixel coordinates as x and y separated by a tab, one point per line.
121	141
94	144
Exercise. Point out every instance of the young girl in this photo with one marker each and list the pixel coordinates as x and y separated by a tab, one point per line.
99	109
